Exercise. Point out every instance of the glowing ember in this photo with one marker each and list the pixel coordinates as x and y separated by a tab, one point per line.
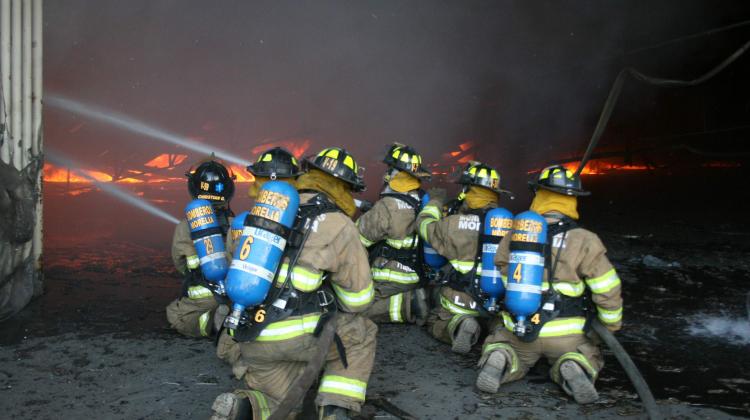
166	161
600	167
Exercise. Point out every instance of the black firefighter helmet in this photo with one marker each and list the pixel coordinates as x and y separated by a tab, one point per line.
212	180
338	162
559	179
405	158
479	174
275	163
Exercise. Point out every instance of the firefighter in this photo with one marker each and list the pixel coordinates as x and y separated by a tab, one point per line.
456	237
194	313
389	231
330	272
273	164
577	272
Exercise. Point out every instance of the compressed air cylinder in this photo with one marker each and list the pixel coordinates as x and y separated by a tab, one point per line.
237	227
207	240
431	257
526	268
497	223
260	247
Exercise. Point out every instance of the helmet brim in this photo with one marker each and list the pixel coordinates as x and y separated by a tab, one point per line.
357	186
564	191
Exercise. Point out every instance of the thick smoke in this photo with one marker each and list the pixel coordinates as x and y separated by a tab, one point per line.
525	80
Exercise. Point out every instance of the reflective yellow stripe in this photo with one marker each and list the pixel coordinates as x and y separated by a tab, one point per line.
406	243
203	324
355	299
302	279
340	385
567	288
394	307
563	326
285	330
193	261
199	292
431	211
384	274
555	328
265	411
423	228
462	266
366	242
576	357
609	317
455	309
488	348
605	282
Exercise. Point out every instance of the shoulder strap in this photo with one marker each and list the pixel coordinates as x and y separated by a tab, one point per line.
413	202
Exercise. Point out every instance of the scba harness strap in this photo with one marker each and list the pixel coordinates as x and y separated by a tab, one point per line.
554	304
409	257
284	300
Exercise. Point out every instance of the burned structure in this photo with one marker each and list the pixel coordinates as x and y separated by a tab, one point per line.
20	153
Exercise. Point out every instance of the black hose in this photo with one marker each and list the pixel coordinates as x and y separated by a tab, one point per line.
647	398
614	93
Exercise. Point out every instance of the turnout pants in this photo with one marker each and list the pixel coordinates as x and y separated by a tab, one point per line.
269	368
523	356
193	316
392	303
451	309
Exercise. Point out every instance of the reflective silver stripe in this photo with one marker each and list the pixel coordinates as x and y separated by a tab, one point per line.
196	241
526	288
527	258
212	257
430	250
268	237
395	307
252	269
491	273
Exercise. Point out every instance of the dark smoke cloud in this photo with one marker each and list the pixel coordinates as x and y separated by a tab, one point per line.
524	79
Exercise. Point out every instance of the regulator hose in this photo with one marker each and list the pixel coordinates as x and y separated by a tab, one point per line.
647	398
614	93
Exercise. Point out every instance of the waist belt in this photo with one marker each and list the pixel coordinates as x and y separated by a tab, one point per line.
556	305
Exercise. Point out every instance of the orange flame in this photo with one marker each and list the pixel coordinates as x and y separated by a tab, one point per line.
241	174
165	161
53	173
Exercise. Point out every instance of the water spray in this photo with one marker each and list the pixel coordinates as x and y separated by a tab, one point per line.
110	188
133	125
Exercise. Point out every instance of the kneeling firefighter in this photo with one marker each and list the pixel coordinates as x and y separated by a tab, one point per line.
323	270
272	165
575	279
388	230
457	237
194	312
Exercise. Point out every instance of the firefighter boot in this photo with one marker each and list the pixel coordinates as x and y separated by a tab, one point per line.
332	412
577	383
492	372
419	306
466	335
229	406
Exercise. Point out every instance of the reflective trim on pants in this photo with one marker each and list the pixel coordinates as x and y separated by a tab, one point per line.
347	387
285	330
489	348
265	411
579	359
394	307
203	325
384	274
455	309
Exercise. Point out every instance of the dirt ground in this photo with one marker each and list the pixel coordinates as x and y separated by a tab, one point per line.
104	351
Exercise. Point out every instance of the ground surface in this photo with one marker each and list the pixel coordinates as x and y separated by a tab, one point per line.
96	344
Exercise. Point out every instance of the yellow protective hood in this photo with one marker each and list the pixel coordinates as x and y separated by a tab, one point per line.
546	201
479	198
339	191
402	182
256	185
